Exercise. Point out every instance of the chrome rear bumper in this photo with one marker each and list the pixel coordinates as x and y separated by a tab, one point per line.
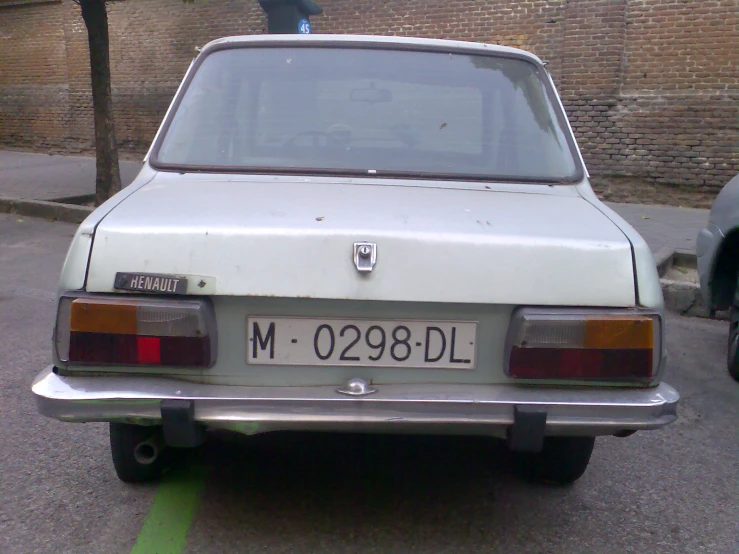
439	409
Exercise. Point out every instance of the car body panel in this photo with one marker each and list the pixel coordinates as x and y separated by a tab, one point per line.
369	41
649	291
707	246
74	270
434	244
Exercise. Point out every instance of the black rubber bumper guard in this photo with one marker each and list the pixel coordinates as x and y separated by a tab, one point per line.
179	425
528	430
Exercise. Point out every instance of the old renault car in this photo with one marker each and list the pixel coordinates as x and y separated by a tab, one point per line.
360	234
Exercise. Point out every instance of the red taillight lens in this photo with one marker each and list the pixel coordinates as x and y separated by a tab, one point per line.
134	331
149	350
583	346
551	363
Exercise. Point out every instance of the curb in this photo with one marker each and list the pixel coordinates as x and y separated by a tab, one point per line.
75	199
53	211
682	297
685	298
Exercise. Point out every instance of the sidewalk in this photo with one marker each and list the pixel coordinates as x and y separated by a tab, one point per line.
48	177
665	227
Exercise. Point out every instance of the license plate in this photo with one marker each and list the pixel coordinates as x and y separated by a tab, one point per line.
361	342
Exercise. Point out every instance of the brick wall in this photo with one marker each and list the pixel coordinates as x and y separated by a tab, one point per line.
33	75
651	86
667	107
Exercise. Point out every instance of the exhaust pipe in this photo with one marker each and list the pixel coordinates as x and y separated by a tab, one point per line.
147	452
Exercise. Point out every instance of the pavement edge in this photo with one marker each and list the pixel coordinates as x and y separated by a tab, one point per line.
682	297
55	211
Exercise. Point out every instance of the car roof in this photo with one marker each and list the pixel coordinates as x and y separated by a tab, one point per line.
369	40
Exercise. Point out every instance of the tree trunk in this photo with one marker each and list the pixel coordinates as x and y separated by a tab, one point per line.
108	178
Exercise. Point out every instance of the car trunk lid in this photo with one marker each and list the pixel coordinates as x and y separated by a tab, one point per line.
276	236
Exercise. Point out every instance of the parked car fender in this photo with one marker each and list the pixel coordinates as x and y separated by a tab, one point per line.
717	248
74	270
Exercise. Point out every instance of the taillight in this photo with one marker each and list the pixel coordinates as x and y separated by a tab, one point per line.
135	331
584	345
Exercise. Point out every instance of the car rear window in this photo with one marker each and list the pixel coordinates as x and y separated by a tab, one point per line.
370	111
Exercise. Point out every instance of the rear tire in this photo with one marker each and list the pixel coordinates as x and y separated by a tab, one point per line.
732	359
562	460
138	451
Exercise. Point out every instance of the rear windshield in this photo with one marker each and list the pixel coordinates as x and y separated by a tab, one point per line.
369	111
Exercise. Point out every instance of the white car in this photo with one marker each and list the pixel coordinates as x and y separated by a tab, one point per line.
365	234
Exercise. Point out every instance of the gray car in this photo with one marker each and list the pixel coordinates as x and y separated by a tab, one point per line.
718	263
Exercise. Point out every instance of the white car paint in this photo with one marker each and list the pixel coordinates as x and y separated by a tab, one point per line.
649	291
282	246
294	238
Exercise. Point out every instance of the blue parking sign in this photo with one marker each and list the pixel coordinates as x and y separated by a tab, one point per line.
304	27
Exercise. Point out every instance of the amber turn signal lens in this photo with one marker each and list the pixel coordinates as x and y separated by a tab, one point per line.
93	315
619	332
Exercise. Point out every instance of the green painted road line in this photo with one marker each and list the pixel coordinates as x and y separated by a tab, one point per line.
165	528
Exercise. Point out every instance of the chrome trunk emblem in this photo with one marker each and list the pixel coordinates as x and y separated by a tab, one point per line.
356	387
365	256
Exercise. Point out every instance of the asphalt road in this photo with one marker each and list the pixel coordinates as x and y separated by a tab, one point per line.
673	490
